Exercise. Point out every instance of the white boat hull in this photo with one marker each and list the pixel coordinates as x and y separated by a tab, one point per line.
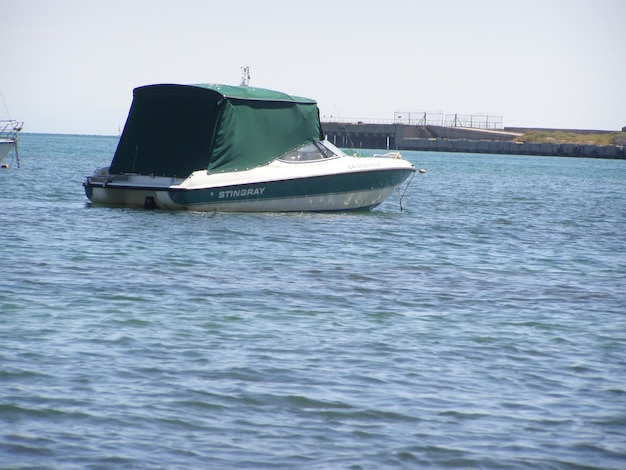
8	137
5	147
112	196
345	183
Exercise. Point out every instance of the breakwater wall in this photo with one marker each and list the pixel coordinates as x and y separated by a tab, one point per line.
453	139
515	148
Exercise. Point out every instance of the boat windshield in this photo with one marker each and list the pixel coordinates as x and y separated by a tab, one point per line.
309	152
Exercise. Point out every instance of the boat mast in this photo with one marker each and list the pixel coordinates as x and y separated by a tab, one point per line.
245	76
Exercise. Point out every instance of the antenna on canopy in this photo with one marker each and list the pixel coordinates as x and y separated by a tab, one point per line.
245	76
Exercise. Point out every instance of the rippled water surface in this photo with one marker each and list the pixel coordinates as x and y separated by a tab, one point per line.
483	326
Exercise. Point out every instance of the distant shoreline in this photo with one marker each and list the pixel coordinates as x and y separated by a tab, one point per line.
517	148
458	145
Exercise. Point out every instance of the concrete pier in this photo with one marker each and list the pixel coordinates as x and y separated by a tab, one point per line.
516	148
397	136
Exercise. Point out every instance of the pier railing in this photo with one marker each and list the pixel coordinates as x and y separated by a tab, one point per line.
473	121
349	120
10	128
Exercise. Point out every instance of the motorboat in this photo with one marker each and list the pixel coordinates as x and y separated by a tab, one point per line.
211	147
8	139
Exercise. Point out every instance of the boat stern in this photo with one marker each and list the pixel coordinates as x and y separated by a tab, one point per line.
129	190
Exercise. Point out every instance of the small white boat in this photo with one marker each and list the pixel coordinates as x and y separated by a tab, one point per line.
228	148
8	138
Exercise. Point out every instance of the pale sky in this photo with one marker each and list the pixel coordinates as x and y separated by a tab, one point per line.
69	66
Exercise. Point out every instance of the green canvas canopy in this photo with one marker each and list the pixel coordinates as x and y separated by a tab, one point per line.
172	130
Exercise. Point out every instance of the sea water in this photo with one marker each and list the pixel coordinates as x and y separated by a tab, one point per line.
479	323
